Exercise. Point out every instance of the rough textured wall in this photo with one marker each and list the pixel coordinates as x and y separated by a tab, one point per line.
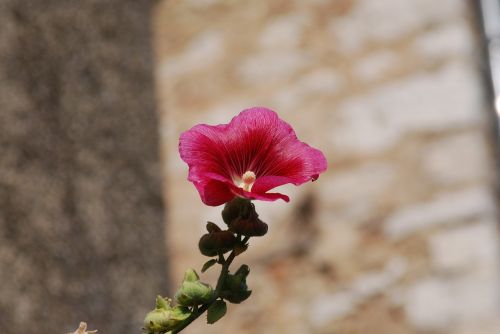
400	235
81	213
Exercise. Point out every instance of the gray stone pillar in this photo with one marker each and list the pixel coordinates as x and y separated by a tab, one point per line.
81	213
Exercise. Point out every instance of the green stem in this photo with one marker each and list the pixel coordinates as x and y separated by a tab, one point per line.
222	277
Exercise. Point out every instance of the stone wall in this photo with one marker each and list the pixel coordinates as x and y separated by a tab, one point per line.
81	211
400	235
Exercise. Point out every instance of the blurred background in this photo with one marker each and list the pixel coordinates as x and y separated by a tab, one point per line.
399	236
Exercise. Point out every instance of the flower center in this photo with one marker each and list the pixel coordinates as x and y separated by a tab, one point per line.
247	180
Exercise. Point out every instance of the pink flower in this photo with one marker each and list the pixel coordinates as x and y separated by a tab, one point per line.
254	153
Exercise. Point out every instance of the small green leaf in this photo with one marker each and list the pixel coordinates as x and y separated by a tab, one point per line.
216	311
208	264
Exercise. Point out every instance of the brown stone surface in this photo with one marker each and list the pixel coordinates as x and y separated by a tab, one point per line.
403	234
81	212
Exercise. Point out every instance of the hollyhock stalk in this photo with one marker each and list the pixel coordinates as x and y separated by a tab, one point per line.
220	281
233	164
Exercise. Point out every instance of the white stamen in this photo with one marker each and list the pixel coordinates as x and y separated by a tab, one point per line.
247	180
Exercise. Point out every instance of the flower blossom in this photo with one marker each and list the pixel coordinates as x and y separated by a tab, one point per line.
254	153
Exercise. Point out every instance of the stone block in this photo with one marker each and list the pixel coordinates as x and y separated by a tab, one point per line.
457	159
445	208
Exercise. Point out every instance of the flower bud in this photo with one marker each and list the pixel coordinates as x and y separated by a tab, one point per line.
192	291
249	227
212	243
237	281
235	208
164	318
236	297
235	289
157	321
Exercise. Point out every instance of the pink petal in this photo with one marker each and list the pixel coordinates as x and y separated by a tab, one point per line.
260	196
234	190
265	183
214	192
276	151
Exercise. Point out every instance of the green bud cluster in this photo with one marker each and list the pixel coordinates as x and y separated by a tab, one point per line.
194	297
165	318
